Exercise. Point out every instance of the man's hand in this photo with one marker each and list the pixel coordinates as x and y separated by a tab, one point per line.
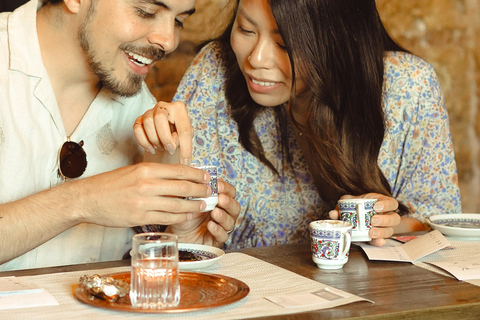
146	193
211	228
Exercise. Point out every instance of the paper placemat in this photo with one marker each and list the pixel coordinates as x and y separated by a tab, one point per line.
264	279
462	248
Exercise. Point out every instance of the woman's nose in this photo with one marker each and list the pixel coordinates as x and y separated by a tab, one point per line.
262	56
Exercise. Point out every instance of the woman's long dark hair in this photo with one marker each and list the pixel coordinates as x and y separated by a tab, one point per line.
337	48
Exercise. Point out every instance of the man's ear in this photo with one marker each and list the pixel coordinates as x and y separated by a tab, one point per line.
73	5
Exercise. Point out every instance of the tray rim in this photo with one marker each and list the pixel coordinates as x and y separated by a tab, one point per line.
242	291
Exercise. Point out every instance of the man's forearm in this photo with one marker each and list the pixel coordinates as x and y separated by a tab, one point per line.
29	222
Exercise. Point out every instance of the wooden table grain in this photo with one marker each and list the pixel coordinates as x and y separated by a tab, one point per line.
400	290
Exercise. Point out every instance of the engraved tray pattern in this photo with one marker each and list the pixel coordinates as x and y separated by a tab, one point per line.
198	291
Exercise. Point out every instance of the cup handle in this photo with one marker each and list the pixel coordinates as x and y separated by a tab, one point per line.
360	212
346	243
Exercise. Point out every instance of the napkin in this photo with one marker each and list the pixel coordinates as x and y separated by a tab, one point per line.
16	293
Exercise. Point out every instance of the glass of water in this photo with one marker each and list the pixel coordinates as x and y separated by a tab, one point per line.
154	280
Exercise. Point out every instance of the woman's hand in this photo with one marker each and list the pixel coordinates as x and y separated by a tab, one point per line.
166	127
211	228
383	222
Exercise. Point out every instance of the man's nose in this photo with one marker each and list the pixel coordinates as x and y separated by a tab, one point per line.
164	35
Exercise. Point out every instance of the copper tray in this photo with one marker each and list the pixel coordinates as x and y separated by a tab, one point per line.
198	291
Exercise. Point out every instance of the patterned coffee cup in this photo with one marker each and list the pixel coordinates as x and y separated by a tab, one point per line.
330	243
359	212
211	201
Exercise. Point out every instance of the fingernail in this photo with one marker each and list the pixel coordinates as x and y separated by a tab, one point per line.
151	150
375	220
375	233
203	206
170	148
205	177
216	213
189	216
378	206
209	192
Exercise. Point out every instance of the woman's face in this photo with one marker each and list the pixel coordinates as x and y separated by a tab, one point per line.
261	54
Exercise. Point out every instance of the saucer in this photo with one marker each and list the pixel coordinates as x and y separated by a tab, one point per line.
209	255
465	225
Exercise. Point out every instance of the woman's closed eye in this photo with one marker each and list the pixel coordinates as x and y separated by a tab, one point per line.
282	46
243	30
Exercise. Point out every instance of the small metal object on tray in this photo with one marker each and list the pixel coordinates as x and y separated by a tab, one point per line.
198	291
105	288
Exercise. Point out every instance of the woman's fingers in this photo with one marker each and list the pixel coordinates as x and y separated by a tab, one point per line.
183	130
389	219
166	127
334	215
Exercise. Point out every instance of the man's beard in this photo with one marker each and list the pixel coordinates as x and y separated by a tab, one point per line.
133	82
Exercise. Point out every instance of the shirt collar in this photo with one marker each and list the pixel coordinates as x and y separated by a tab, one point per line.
23	41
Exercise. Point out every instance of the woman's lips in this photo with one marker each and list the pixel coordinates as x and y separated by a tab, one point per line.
262	86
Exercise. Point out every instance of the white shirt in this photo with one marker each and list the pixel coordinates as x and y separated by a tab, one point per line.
32	133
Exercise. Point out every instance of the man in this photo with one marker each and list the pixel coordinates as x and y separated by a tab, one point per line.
71	87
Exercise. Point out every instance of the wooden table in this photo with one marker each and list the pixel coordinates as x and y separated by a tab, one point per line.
400	290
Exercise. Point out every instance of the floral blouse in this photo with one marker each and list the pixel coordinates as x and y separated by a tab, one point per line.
416	155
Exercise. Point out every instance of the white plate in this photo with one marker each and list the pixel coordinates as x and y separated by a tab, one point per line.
466	225
210	254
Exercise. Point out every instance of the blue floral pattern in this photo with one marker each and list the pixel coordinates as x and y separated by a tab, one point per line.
416	156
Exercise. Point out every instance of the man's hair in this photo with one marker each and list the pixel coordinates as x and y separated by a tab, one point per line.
338	49
52	2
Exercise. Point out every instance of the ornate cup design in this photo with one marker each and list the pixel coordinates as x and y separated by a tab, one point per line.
359	213
330	242
326	243
355	211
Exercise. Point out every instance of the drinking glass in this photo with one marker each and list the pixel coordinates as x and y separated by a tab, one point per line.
155	277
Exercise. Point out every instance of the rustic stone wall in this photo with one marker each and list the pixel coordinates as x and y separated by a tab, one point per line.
443	32
208	22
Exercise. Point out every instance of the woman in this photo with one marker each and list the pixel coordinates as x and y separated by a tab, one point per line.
304	102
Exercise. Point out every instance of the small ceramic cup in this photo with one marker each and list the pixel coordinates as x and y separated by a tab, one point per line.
359	212
211	201
330	241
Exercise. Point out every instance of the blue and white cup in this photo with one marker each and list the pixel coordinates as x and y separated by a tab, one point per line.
359	212
211	201
330	242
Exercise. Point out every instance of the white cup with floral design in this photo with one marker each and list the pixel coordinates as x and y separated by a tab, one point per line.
211	201
359	212
330	242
